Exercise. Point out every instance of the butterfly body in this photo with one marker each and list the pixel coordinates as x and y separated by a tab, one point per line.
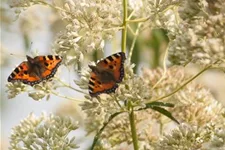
36	69
106	74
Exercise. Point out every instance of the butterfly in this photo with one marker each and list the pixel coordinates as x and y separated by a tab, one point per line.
106	74
35	70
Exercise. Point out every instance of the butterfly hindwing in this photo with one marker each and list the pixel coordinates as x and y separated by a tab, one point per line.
106	74
115	63
21	73
96	87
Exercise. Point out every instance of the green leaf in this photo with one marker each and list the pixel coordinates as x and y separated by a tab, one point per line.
159	104
164	112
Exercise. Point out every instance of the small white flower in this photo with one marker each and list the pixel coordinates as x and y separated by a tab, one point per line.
136	4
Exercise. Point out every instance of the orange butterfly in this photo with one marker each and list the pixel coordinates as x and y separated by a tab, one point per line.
106	74
36	69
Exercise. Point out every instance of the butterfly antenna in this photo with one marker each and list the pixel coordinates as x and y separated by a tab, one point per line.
15	55
31	43
29	48
18	55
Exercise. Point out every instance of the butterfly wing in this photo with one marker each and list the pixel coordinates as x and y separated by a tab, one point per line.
21	73
35	70
96	87
115	63
49	65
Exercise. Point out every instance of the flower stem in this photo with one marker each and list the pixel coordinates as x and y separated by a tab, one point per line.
52	6
69	86
185	83
65	97
164	68
124	31
139	20
134	41
133	129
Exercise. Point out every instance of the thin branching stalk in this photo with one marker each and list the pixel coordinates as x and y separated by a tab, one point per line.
52	6
185	83
131	30
66	97
124	31
131	14
114	28
164	68
117	102
163	9
69	86
134	41
138	20
160	127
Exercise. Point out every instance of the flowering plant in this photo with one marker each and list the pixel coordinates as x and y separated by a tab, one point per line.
161	108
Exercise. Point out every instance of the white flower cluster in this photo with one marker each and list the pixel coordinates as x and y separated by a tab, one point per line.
15	88
202	41
89	24
208	137
45	132
201	35
190	8
37	92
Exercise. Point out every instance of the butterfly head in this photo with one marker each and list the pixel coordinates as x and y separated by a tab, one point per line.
93	68
30	59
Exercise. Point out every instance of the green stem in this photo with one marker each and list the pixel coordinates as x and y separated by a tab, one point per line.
65	97
161	127
52	6
67	85
139	20
164	68
131	30
133	129
134	41
114	28
124	31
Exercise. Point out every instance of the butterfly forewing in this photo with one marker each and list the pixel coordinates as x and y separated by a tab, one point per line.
115	63
49	65
21	73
